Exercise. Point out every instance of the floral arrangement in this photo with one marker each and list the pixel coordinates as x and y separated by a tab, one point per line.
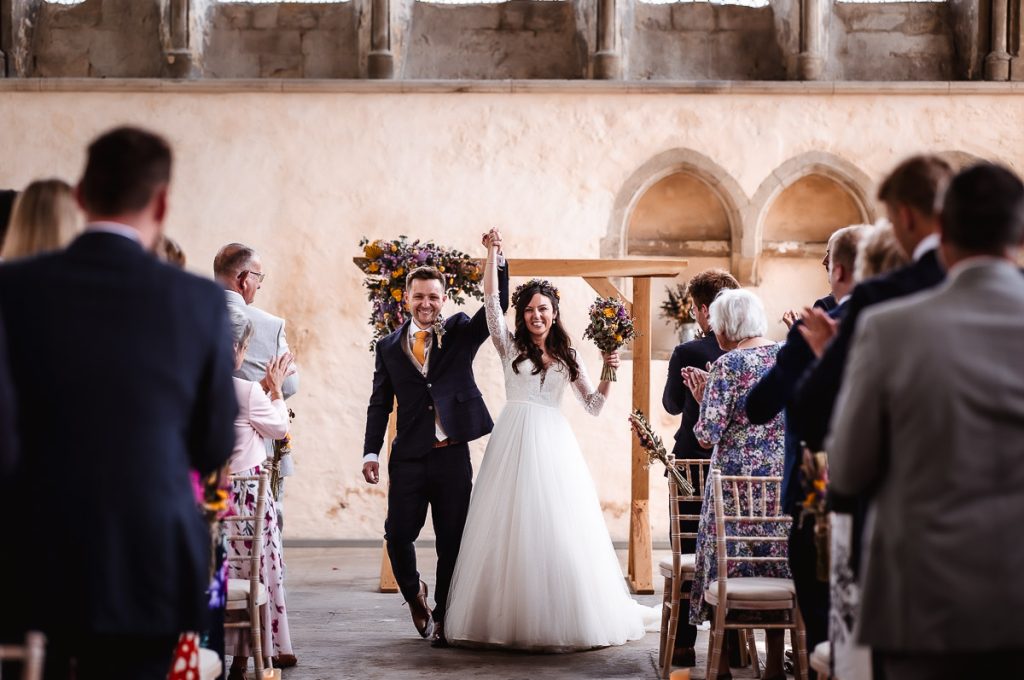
543	284
389	261
282	448
655	449
676	309
814	469
611	327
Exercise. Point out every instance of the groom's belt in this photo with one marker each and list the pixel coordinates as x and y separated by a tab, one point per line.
444	442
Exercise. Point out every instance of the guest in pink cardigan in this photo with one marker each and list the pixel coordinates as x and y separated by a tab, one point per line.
262	415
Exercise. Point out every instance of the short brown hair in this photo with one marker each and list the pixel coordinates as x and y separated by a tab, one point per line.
842	246
425	274
919	182
705	287
125	168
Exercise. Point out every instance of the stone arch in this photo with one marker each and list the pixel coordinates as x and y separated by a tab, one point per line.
829	169
719	184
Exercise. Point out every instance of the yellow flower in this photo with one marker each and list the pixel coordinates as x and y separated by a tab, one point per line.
441	268
394	248
398	272
374	267
372	250
810	499
397	294
609	312
618	338
819	484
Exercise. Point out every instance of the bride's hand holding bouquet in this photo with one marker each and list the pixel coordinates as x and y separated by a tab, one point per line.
611	327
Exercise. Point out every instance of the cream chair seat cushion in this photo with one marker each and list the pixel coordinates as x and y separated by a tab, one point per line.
238	593
210	667
821	658
687	564
754	591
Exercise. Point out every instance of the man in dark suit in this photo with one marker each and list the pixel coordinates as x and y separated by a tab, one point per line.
912	195
773	393
9	438
427	366
122	374
702	289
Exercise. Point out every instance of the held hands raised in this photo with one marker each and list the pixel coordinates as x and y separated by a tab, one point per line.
492	240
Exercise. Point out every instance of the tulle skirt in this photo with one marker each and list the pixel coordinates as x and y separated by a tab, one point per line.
537	570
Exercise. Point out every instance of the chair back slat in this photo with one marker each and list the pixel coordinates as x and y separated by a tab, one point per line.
31	655
256	520
756	513
690	468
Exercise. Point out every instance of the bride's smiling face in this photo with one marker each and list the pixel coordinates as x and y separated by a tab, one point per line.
538	315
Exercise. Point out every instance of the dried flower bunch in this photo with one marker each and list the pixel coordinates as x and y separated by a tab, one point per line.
652	444
387	264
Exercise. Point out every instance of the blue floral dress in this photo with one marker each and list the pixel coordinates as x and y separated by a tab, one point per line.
741	448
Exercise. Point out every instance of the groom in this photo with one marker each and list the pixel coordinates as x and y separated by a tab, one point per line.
440	410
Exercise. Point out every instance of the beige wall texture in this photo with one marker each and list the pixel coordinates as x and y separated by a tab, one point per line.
302	176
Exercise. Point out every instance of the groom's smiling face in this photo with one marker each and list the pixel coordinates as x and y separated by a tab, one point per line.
425	298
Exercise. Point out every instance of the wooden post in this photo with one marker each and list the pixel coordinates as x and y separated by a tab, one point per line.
388	584
640	575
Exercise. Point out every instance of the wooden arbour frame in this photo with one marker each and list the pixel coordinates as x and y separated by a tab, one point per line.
600	275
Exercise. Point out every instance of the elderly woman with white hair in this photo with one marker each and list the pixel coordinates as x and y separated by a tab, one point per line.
262	415
740	448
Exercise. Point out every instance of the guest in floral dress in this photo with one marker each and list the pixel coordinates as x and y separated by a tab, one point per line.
740	448
261	416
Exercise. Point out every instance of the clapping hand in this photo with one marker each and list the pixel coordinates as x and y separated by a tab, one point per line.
818	330
277	370
695	379
789	318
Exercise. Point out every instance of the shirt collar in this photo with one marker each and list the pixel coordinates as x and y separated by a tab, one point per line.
413	328
842	300
929	242
115	228
234	296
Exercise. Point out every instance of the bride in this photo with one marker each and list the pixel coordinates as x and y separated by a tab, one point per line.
537	570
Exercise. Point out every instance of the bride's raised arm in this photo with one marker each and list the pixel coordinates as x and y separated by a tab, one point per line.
593	400
492	298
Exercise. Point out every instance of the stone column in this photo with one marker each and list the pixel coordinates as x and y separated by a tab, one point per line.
178	53
811	60
1016	23
997	63
381	64
607	65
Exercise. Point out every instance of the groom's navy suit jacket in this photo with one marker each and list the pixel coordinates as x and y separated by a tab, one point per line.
448	389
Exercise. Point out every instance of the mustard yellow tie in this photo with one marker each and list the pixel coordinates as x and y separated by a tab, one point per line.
419	347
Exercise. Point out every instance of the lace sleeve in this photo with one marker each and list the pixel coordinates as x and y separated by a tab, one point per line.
592	400
497	328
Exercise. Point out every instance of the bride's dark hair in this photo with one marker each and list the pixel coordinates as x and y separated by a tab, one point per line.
558	343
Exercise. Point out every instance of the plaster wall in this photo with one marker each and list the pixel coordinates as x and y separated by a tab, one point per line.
302	176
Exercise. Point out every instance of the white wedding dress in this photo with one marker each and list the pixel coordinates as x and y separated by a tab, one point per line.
537	570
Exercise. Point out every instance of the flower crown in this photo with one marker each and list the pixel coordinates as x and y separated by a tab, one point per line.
543	285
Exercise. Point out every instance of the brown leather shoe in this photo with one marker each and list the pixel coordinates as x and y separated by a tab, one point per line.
284	661
421	613
439	641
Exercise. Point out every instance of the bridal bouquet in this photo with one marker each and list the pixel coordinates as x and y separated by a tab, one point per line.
610	328
386	264
655	449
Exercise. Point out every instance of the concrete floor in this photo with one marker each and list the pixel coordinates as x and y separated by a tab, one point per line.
343	628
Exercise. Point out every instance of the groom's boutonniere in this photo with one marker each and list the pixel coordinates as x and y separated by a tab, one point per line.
439	330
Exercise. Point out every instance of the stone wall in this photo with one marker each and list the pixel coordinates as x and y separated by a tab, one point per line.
519	39
107	38
701	41
515	39
302	176
894	41
286	40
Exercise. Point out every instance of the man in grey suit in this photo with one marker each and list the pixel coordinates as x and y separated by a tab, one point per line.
239	270
930	425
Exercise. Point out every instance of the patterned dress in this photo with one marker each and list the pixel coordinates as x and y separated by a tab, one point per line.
741	448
